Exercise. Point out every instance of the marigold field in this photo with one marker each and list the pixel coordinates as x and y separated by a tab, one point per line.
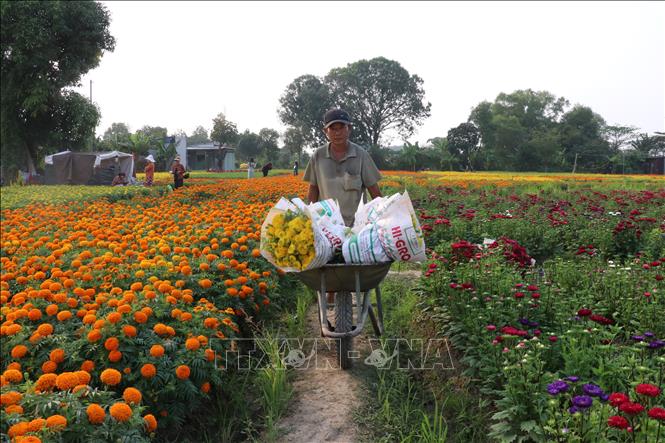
117	304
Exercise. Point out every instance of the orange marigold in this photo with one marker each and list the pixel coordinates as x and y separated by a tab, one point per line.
28	439
148	370
88	366
110	376
66	381
56	421
19	351
49	367
13	375
129	331
157	350
57	355
111	344
182	372
45	329
132	396
14	409
192	344
10	398
96	414
18	429
36	425
94	335
83	376
46	382
150	422
140	317
115	356
121	411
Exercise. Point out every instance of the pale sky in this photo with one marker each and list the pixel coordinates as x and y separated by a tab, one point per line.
178	64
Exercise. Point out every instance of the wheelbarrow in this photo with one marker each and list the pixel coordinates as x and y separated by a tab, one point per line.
345	279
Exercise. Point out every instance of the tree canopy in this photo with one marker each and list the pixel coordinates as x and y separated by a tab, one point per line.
223	131
46	48
379	94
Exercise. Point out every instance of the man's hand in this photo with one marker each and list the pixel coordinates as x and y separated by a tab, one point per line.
313	194
374	191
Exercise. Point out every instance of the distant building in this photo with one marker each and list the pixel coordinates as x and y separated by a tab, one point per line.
655	165
211	156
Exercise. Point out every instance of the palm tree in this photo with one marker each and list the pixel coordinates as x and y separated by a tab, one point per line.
410	153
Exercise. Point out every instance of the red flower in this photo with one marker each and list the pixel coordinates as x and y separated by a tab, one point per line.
617	421
519	294
648	390
584	312
617	398
631	408
657	413
601	320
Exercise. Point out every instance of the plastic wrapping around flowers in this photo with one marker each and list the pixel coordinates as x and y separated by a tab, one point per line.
297	237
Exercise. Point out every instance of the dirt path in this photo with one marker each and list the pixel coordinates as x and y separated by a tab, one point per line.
325	396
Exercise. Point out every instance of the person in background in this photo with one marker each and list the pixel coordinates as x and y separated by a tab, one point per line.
250	168
149	170
178	172
119	180
267	167
295	167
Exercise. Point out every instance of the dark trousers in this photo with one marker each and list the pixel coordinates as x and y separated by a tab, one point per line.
178	182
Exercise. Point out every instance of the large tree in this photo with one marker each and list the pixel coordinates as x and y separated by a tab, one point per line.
303	104
269	145
581	138
619	136
224	131
463	143
116	134
380	95
199	136
46	48
519	130
249	145
294	143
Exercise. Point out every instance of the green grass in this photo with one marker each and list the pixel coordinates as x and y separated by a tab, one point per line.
16	196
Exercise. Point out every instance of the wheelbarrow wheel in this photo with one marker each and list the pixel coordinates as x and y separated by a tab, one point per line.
344	323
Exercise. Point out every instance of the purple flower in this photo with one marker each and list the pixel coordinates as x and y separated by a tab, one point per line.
524	321
573	378
592	390
582	401
557	387
649	334
604	397
657	344
573	409
637	337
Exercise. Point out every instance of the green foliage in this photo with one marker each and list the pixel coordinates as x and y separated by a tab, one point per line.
46	47
380	95
223	131
302	106
463	143
198	136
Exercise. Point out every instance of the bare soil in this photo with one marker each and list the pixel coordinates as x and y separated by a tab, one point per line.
325	396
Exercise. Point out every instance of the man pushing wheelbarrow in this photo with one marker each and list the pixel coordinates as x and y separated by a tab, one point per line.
339	244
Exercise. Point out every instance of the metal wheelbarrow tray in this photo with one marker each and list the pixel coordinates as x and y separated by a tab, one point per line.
345	279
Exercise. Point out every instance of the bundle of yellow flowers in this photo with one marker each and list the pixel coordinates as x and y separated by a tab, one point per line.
290	240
